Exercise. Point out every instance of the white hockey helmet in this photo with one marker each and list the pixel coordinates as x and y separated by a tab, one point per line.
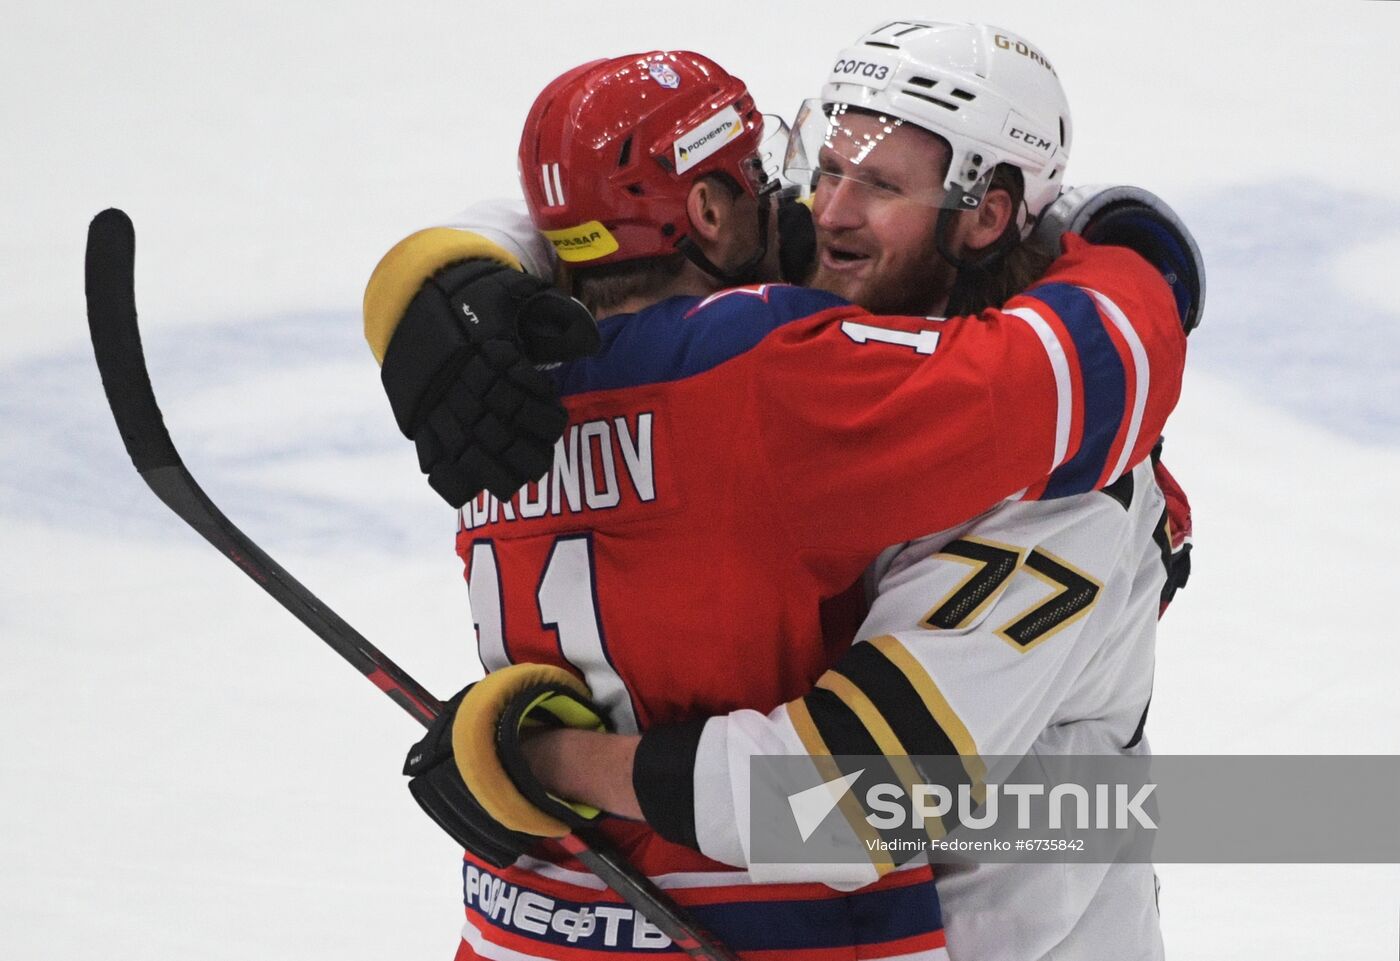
991	95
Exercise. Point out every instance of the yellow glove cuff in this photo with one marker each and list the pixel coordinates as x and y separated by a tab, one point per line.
474	744
411	261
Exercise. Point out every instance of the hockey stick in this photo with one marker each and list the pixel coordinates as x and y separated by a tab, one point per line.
116	343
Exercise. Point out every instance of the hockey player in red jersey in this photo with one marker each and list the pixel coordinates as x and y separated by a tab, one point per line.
648	559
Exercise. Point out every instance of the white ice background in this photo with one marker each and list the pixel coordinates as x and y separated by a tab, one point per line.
189	773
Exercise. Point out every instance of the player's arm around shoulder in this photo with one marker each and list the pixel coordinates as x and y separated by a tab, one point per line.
918	423
1004	611
973	646
494	230
1121	281
458	324
1076	376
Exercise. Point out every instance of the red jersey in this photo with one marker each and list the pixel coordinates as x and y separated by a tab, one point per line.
733	463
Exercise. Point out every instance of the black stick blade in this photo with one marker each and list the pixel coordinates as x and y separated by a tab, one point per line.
116	343
116	340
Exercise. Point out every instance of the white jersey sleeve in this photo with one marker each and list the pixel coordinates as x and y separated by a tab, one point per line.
1030	629
494	229
506	223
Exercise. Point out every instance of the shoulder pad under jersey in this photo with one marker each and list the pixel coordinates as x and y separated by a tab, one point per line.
684	336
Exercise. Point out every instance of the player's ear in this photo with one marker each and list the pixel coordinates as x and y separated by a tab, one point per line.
707	206
989	220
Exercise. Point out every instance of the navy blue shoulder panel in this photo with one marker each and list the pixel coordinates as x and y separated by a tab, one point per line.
684	336
1105	387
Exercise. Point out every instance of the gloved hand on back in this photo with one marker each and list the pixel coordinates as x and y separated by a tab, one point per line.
461	375
469	773
1123	216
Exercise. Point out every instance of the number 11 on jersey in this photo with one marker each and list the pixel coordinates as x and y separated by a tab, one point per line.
567	601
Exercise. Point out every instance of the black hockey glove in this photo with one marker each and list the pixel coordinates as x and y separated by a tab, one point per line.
461	377
469	773
1131	217
443	796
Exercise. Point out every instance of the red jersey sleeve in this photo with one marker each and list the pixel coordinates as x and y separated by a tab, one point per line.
879	429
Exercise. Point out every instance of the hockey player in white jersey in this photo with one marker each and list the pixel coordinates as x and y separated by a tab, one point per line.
1029	630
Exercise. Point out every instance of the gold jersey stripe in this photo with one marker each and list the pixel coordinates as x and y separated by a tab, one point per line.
938	706
865	710
869	715
812	741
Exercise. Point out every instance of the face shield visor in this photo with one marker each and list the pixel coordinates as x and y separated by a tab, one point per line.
836	143
763	171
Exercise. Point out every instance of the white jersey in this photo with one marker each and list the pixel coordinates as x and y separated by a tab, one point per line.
1030	630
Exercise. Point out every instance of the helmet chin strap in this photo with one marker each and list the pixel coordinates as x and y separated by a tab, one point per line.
987	259
746	272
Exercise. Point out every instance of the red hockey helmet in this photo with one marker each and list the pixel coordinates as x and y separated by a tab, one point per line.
610	151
